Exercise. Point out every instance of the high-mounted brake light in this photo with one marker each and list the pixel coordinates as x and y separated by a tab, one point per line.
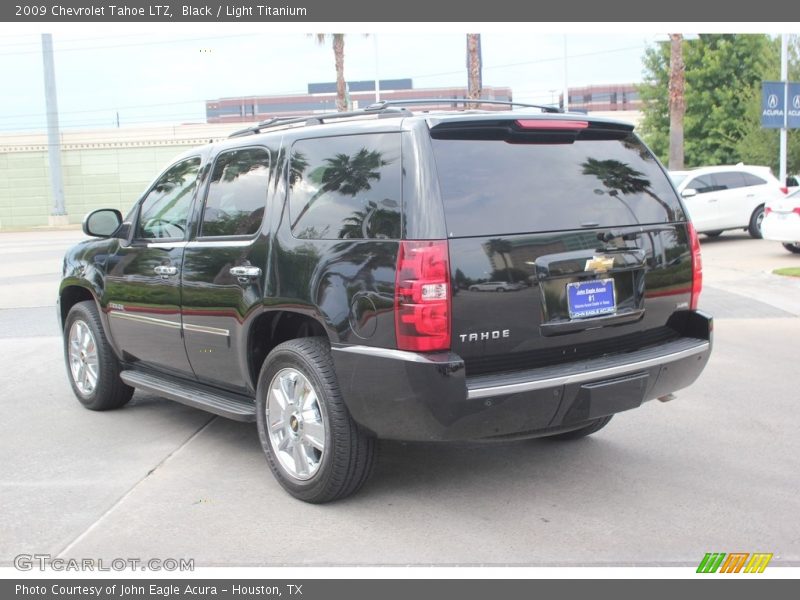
697	267
422	296
552	124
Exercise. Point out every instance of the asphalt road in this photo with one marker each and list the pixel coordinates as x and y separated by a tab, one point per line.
716	470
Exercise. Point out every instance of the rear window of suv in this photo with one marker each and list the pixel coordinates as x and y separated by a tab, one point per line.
492	187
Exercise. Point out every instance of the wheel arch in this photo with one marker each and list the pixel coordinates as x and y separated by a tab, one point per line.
70	294
274	327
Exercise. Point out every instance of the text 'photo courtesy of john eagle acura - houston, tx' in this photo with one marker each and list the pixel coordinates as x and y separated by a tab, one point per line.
390	274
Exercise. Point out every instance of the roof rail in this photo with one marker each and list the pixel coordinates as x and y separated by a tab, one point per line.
320	118
383	104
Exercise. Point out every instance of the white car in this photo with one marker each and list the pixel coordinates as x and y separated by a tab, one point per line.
782	221
727	197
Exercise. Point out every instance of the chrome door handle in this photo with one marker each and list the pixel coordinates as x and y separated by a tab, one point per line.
165	271
710	200
245	271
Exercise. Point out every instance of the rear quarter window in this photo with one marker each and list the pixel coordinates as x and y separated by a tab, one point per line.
492	187
346	187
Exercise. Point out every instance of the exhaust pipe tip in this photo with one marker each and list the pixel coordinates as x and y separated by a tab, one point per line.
667	398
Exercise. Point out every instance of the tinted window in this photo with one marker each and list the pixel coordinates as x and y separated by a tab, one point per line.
703	184
346	187
495	187
237	193
165	209
729	180
750	179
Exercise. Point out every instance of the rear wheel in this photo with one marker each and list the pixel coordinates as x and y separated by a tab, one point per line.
92	367
794	248
313	447
755	223
591	428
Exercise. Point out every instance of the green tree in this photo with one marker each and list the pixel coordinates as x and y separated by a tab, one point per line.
761	146
722	72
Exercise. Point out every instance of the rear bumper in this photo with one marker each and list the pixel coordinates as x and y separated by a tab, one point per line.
427	397
781	227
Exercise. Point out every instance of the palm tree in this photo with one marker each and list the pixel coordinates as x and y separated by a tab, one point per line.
337	40
622	179
474	83
348	175
677	101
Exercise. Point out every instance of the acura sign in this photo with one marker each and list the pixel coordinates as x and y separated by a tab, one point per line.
774	101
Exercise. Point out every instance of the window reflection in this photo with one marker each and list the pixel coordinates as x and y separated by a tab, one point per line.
237	193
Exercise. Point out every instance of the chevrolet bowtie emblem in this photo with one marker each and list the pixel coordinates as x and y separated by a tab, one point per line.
599	264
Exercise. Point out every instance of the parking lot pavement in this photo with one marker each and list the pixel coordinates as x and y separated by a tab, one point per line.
717	469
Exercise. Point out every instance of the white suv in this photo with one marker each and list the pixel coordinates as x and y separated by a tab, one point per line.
727	197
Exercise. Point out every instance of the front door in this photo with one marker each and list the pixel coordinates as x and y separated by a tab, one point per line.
143	294
224	268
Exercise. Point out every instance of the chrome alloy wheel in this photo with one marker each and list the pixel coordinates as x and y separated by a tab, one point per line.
83	363
295	422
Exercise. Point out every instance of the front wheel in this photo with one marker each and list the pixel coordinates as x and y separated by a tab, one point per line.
313	447
92	367
756	219
794	247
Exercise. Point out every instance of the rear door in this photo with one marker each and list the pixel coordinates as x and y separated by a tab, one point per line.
582	223
732	208
223	268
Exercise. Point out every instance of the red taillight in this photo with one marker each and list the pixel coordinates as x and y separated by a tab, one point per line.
422	296
767	210
697	267
551	124
785	190
796	210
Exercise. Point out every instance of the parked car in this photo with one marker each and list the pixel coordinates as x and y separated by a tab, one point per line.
782	221
298	275
496	286
727	197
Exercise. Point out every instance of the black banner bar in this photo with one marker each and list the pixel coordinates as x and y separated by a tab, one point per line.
362	11
383	589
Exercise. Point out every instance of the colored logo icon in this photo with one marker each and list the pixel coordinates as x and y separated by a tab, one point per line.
735	562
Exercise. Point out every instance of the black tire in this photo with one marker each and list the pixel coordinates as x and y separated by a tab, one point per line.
348	457
473	288
576	434
754	229
500	289
109	392
794	248
713	234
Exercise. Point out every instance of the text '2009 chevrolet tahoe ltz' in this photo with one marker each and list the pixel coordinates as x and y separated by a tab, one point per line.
473	275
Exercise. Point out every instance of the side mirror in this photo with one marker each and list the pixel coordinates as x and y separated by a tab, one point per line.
102	223
689	193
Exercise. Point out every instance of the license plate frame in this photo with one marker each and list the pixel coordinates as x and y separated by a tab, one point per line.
593	298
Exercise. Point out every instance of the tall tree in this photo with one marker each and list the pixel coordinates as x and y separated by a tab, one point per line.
760	146
721	72
474	68
337	41
677	101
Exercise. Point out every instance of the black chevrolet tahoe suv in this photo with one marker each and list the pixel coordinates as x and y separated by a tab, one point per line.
326	277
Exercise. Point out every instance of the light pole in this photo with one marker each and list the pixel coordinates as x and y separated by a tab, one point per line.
59	214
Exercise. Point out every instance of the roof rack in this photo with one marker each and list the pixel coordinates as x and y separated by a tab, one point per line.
387	103
384	108
320	118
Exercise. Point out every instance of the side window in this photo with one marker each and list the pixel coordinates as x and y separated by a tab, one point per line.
237	193
165	209
346	187
729	180
703	184
750	179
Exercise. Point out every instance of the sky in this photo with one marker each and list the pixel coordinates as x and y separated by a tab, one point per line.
160	77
